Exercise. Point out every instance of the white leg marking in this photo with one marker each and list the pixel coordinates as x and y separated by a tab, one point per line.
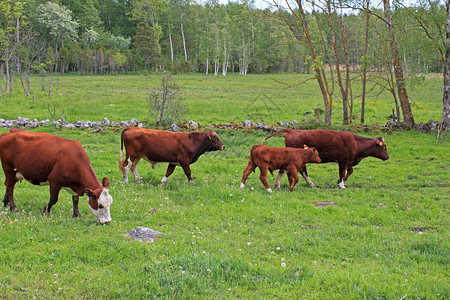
242	186
191	181
269	190
137	178
163	180
341	184
278	181
311	184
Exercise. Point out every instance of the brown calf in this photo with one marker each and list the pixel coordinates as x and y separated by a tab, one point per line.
274	158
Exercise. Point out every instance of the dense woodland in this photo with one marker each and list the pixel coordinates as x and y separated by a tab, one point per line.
377	42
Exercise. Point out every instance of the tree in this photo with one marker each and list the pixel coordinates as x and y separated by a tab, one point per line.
10	21
408	118
149	11
297	21
57	21
166	103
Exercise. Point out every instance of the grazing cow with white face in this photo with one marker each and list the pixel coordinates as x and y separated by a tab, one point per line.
345	148
176	148
45	159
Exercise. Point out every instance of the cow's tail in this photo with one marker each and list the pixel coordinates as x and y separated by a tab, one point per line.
275	133
121	167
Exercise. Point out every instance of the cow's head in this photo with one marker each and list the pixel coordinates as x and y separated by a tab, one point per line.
314	158
100	202
214	143
380	150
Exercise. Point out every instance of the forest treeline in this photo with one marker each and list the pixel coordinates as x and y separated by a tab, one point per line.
334	40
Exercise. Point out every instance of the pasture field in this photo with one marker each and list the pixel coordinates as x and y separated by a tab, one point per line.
209	99
385	237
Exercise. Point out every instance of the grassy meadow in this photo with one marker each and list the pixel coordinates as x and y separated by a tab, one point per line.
385	237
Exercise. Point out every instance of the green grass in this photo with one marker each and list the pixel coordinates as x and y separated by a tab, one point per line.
223	242
209	99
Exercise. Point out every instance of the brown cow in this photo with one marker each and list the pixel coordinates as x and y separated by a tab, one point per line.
345	148
45	159
274	158
155	146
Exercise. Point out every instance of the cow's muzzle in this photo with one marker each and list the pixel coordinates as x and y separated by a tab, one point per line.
223	147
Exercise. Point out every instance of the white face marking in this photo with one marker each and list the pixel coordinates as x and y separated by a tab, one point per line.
341	184
269	190
126	170
163	180
242	186
103	214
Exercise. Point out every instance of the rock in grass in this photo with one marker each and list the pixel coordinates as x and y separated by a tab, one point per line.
143	234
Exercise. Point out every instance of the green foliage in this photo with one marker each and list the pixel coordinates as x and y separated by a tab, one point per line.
56	19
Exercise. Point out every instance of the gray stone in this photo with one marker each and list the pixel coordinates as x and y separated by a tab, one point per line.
106	121
134	122
174	127
294	122
248	123
192	125
141	125
143	234
260	125
69	126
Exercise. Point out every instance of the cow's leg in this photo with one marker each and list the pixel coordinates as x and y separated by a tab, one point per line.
76	212
6	199
277	182
187	170
133	169
342	168
304	173
293	178
250	168
263	177
10	182
349	172
54	193
170	169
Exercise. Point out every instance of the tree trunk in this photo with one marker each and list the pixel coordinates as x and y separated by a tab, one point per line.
364	63
443	127
408	118
184	40
348	87
337	64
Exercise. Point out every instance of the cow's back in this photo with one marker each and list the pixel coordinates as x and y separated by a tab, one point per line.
155	145
39	153
331	145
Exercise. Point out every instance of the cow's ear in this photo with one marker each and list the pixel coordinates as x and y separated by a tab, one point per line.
380	141
305	146
89	192
105	182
